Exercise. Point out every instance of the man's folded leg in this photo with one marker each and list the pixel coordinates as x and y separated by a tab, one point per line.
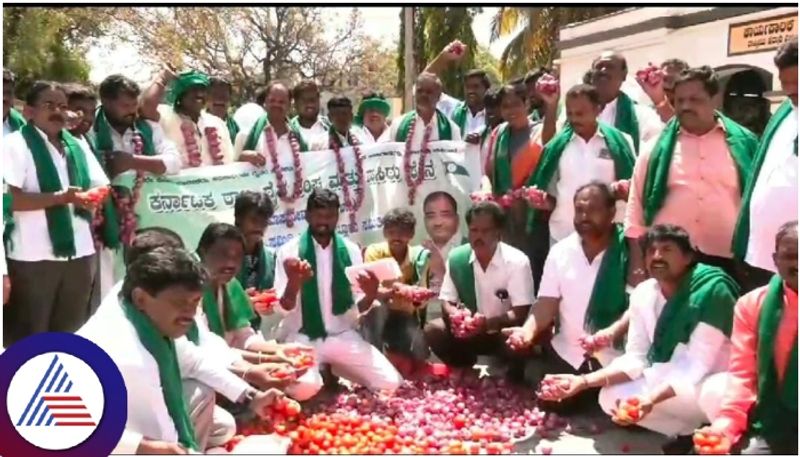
213	426
353	358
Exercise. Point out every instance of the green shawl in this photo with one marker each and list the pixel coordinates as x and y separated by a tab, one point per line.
618	147
163	351
463	275
233	127
8	216
741	143
776	402
501	179
609	301
236	304
15	120
419	257
742	233
442	124
262	123
183	82
706	294
265	269
626	118
59	218
459	116
313	325
104	144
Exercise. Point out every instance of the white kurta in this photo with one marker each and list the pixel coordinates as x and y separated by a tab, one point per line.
775	195
148	415
509	270
344	349
247	115
314	133
419	130
366	137
171	123
650	125
691	364
570	277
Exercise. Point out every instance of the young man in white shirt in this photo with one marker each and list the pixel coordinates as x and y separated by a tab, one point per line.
306	96
583	289
678	335
426	122
51	255
320	306
488	277
142	330
771	196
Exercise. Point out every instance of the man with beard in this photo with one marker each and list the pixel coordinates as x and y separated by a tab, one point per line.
619	110
678	334
663	94
693	176
320	306
758	414
426	123
487	277
51	250
306	106
13	120
370	121
771	196
584	150
583	289
219	103
469	114
124	142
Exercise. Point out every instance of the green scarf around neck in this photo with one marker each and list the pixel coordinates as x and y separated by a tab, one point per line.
236	305
776	402
419	257
626	119
442	124
618	147
261	125
8	216
609	301
265	269
313	324
163	351
741	235
459	116
463	275
233	127
706	294
15	120
741	144
59	218
501	171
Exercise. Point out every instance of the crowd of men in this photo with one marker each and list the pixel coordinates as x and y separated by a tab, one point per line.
649	251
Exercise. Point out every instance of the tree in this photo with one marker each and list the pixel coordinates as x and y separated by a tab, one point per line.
49	43
248	46
535	32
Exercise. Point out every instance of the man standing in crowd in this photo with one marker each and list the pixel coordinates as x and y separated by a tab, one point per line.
663	94
220	92
306	98
371	118
341	133
426	122
771	196
693	176
13	120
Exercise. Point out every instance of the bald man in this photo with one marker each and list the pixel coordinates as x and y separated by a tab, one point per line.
413	125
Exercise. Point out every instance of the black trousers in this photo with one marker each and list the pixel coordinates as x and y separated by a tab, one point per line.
552	363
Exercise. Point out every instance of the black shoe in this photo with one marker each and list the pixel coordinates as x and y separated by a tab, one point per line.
681	445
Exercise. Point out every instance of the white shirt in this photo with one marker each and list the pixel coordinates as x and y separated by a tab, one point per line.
315	132
283	148
7	130
474	122
293	320
650	125
148	415
419	130
706	353
569	276
164	148
509	269
322	143
774	201
212	344
366	137
171	123
31	238
581	163
247	115
240	338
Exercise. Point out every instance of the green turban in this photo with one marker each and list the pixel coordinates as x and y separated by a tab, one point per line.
378	104
183	82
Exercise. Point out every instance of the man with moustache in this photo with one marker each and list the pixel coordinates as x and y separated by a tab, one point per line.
663	94
678	335
341	133
771	196
320	306
694	176
307	120
219	103
488	277
370	120
51	251
426	122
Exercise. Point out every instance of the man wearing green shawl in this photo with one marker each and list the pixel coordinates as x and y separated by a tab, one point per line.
469	114
426	119
694	176
678	335
771	195
759	407
640	122
487	277
371	118
583	294
142	328
219	103
321	307
308	121
50	250
251	212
